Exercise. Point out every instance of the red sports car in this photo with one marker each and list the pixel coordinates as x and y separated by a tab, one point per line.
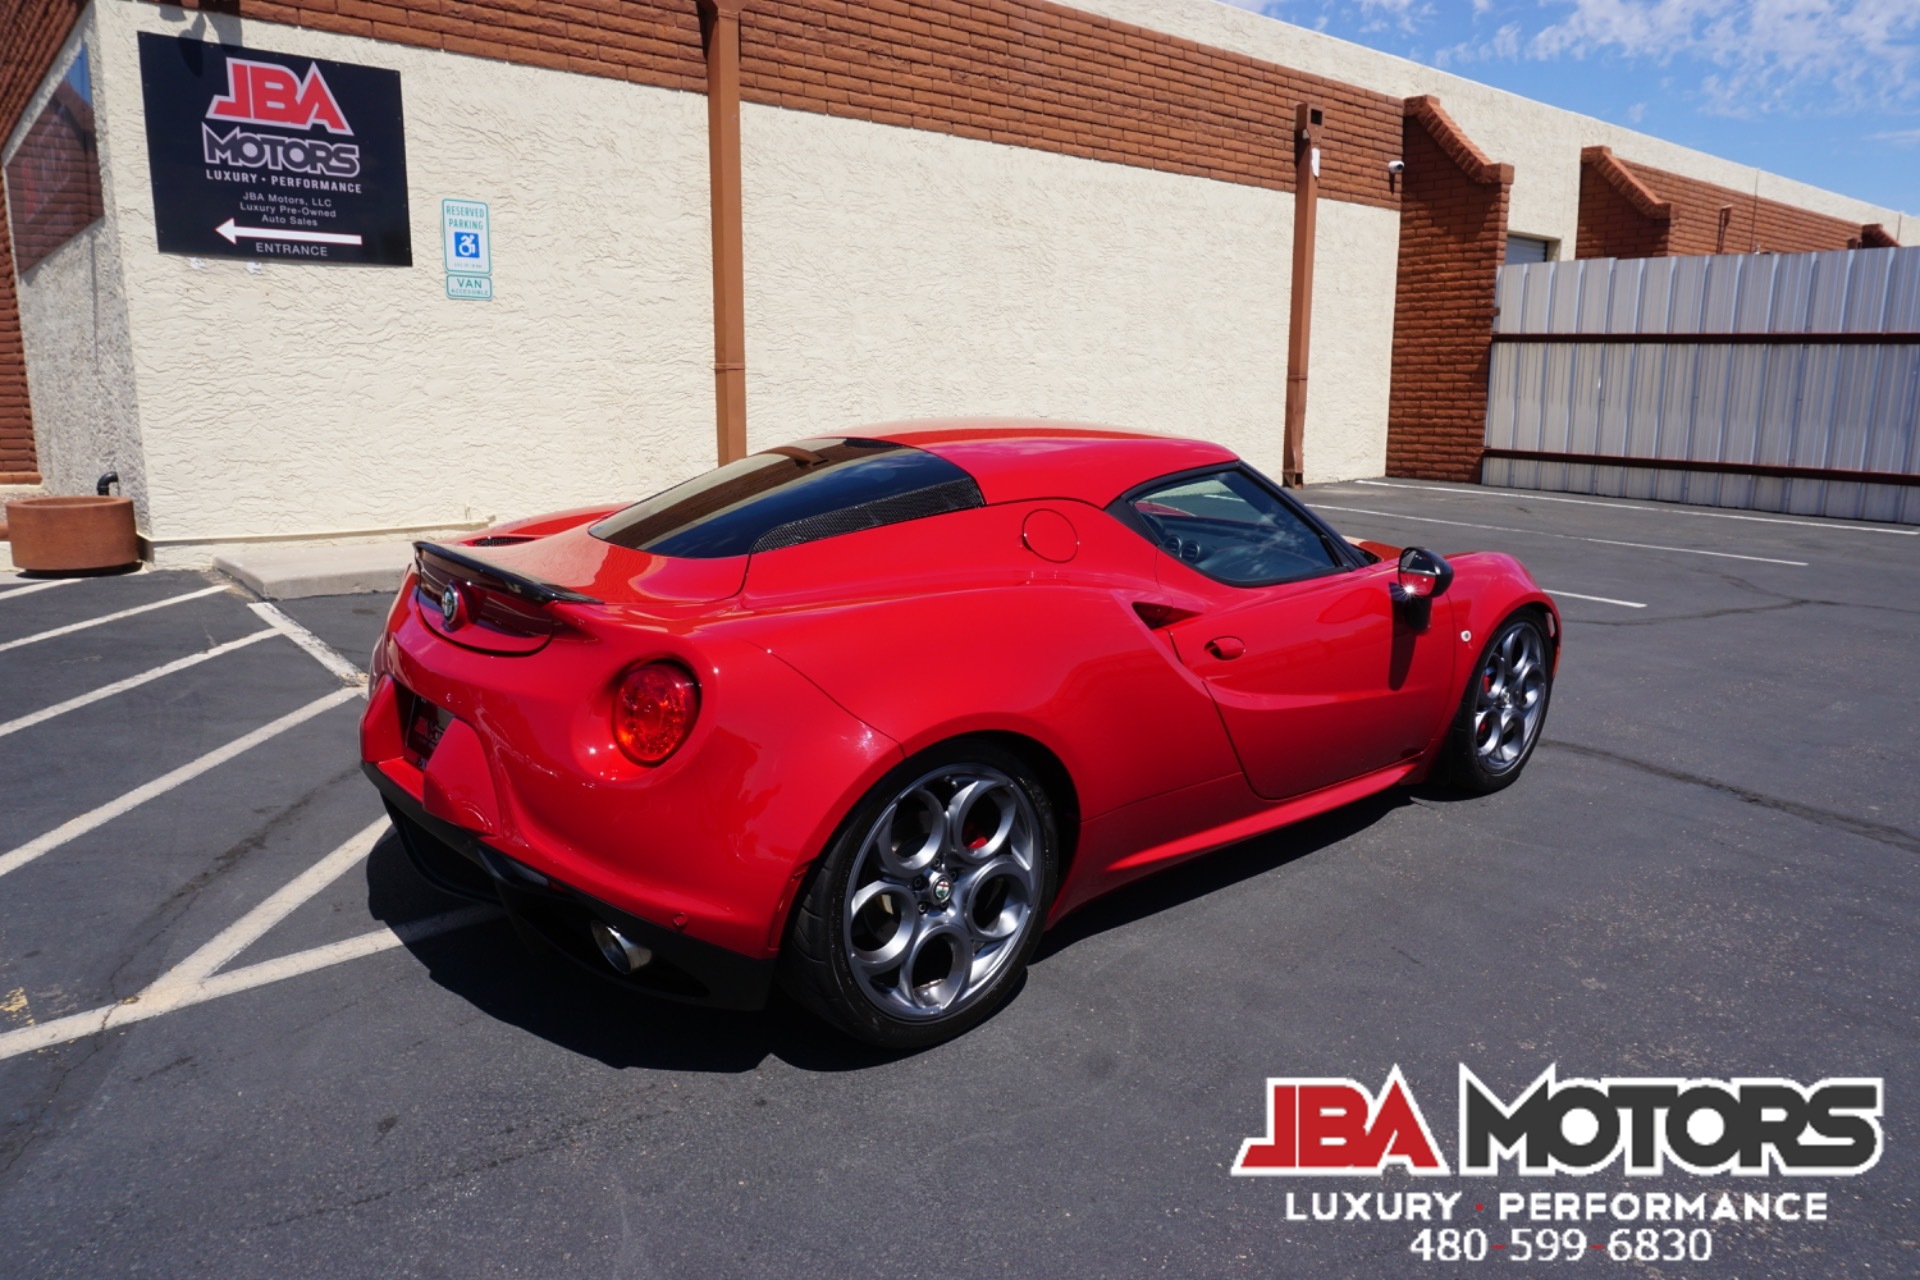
866	714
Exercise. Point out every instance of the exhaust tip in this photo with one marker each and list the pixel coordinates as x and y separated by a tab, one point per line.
618	950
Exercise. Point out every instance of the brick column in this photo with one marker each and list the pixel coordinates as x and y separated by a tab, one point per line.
1453	237
31	33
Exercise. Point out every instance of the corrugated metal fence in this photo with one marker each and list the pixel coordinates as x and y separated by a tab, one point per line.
1775	382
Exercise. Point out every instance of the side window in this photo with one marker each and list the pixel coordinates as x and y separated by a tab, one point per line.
1233	529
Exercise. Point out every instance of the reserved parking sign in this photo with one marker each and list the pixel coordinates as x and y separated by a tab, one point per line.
467	244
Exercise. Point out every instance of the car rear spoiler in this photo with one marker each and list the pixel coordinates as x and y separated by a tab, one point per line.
531	590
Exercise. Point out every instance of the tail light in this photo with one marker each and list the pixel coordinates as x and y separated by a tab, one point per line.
653	711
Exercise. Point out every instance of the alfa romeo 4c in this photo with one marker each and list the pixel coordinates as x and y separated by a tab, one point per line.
864	715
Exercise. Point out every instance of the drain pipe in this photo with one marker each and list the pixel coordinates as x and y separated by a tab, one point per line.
720	29
1306	201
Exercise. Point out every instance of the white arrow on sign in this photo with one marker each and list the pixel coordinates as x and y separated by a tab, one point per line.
233	234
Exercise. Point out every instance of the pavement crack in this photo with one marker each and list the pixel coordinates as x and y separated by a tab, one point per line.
1730	612
1881	833
152	927
550	1141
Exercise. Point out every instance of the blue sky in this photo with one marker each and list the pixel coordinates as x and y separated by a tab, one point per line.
1825	91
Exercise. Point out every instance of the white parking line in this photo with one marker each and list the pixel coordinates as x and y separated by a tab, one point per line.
152	1003
1575	595
1675	510
75	827
324	653
32	587
1547	533
132	682
245	931
72	627
197	978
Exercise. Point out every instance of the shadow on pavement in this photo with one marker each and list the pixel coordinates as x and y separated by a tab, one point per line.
1218	870
545	995
488	966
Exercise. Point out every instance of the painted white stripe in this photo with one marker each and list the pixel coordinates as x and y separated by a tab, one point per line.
72	627
1530	495
242	933
32	586
1575	595
132	682
75	827
154	1001
1548	533
323	653
370	943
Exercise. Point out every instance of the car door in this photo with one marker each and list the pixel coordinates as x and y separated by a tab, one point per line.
1318	674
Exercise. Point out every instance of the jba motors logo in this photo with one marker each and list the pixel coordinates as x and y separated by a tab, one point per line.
266	93
1574	1126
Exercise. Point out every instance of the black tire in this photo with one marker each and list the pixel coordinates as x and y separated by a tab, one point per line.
908	912
1473	759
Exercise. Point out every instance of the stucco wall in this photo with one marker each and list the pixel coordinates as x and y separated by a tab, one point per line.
891	272
283	398
1541	142
74	327
899	273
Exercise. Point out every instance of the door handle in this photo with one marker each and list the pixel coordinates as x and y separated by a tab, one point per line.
1226	648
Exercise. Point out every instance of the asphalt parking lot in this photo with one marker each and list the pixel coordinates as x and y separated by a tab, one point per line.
231	1045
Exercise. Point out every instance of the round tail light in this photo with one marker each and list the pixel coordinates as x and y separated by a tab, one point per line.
654	710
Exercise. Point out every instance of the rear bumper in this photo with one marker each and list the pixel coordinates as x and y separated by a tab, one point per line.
684	969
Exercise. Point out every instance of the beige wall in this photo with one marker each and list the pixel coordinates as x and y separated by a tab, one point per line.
1541	142
284	398
897	273
890	273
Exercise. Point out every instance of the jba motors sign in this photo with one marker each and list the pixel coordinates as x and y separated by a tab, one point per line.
1754	1127
270	155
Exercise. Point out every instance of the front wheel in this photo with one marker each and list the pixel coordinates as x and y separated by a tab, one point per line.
924	911
1505	704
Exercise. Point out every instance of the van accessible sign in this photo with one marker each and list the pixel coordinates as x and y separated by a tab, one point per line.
272	155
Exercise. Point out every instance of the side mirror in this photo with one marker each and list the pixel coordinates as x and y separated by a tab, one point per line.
1424	575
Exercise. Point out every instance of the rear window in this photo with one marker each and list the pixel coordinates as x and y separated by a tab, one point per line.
790	495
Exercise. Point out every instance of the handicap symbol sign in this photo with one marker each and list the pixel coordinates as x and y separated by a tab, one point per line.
466	236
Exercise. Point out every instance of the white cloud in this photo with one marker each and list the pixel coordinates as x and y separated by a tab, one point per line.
1377	15
1898	137
1766	54
1503	44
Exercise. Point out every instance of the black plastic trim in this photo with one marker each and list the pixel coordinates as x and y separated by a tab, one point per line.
530	589
684	969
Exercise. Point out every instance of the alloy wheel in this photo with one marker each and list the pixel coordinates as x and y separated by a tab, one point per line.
1511	698
943	891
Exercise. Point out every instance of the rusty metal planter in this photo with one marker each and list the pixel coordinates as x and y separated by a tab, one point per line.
72	535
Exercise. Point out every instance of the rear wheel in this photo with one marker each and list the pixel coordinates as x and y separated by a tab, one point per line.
1505	705
924	911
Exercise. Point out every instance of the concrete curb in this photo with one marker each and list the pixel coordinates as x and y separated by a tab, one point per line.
294	573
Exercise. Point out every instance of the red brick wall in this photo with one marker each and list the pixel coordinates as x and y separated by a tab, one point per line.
1453	236
1057	79
1012	71
1611	228
31	33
